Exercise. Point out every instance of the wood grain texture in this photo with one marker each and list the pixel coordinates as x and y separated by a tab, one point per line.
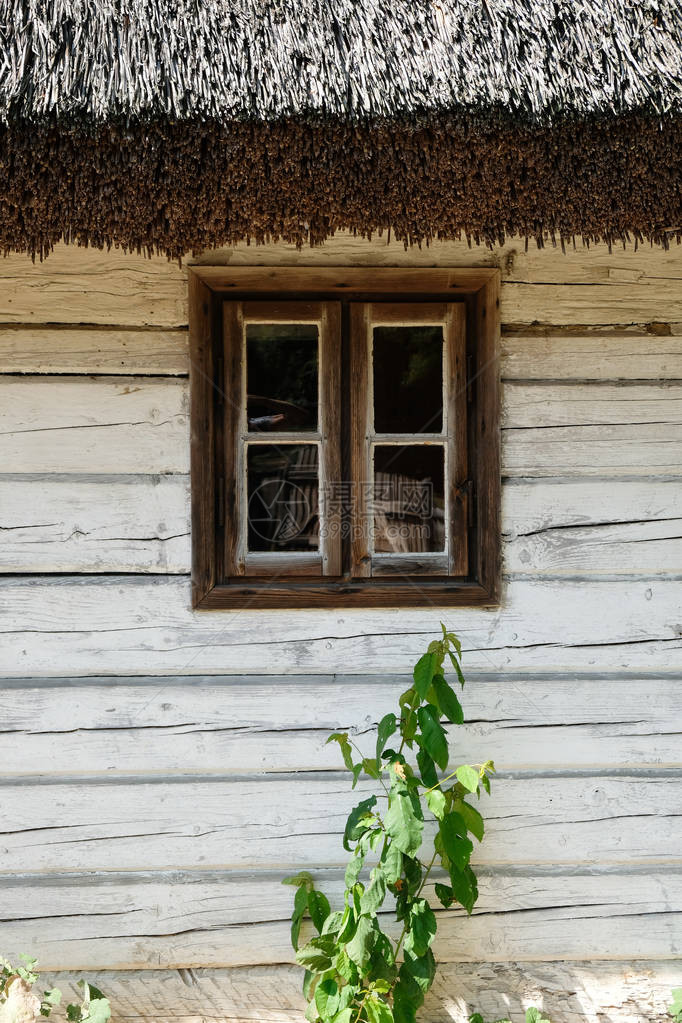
618	991
582	286
600	355
96	425
535	354
253	823
139	425
583	992
143	625
95	524
87	350
218	726
140	524
203	919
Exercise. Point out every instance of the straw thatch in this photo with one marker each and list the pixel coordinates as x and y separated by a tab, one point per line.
174	125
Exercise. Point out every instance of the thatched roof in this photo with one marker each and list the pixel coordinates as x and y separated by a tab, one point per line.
175	124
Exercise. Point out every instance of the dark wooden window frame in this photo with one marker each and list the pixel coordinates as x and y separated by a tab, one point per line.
477	497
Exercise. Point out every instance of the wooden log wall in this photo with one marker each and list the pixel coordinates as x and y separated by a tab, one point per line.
161	770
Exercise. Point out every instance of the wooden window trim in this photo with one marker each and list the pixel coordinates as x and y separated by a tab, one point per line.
214	492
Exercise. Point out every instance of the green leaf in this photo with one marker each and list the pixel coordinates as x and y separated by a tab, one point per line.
357	771
327	997
485	782
343	965
402	824
311	1013
345	1016
465	888
300	907
422	928
447	700
391	863
317	954
456	845
354	868
421	969
378	1011
98	1011
359	947
435	800
455	665
387	726
444	895
371	767
407	997
52	997
427	768
344	745
334	922
304	878
318	907
472	818
675	1009
424	671
434	737
375	894
534	1015
468	777
355	827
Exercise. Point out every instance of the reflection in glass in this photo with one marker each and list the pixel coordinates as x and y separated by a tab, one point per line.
408	379
283	497
409	498
281	376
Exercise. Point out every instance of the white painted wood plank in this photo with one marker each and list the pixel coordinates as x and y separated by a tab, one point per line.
590	404
637	548
601	355
137	625
138	424
95	524
640	450
256	823
141	524
570	992
82	424
619	301
222	725
545	504
87	350
180	920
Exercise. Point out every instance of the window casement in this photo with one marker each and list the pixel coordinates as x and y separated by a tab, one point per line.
345	437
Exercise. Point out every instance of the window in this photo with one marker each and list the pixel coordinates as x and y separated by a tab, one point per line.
345	437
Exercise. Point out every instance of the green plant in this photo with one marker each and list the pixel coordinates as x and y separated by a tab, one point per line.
675	1009
533	1015
18	1003
355	972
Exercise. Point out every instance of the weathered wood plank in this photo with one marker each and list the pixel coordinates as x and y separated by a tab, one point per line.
94	524
141	524
600	355
143	625
539	354
82	424
637	548
87	350
578	404
578	992
88	286
209	920
249	823
217	725
641	450
139	425
583	286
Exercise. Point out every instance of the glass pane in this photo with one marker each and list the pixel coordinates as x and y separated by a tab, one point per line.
409	498
283	497
408	379
281	376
